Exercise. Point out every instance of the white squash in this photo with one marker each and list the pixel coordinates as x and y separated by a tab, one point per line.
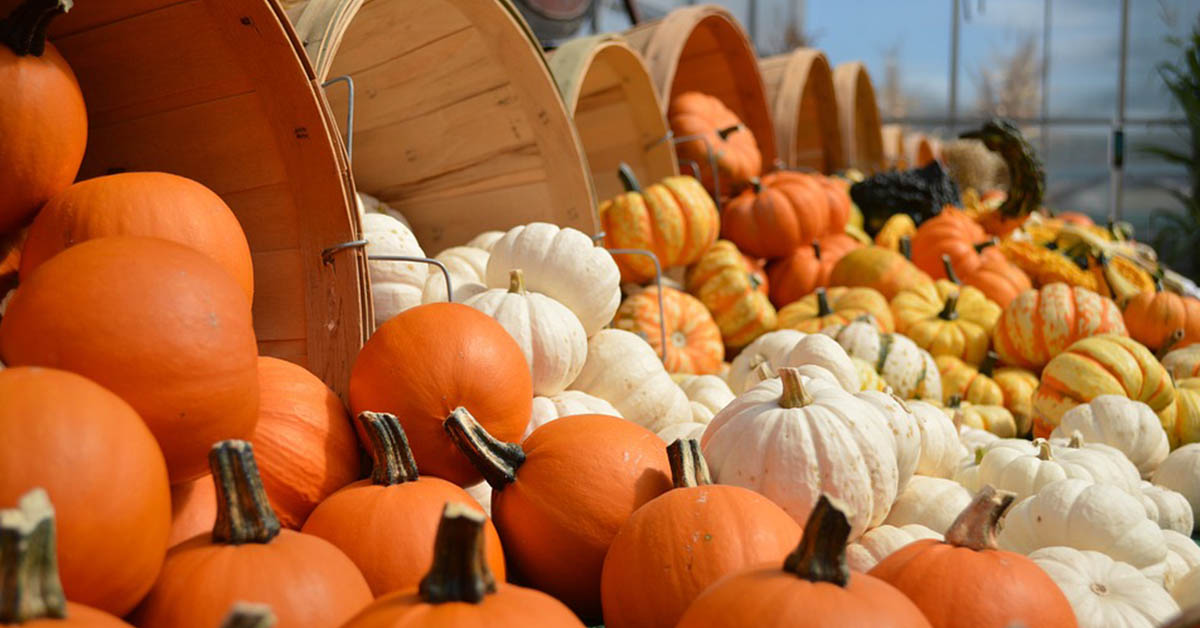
793	442
549	335
368	204
395	286
941	451
907	368
485	240
1183	555
1187	589
466	265
1087	516
825	352
770	349
1025	473
566	403
1105	593
1168	508
932	502
974	439
1183	363
708	394
1180	472
1130	426
879	543
676	431
624	371
904	430
968	476
562	264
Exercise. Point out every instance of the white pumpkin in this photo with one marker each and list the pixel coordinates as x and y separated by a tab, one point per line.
676	431
1105	593
1087	516
1183	555
549	335
1180	472
368	204
623	370
869	379
566	403
1025	473
1130	426
485	240
395	286
907	368
1187	589
904	430
941	451
466	265
1168	508
825	352
770	349
1183	363
793	442
932	502
974	439
562	264
708	394
968	476
879	543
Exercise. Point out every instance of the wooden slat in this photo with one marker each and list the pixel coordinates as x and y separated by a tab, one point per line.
279	287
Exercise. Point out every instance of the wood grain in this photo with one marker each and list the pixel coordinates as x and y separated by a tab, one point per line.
800	91
858	117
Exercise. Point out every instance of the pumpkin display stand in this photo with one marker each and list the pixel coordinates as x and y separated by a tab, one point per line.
218	91
457	121
608	91
858	118
800	91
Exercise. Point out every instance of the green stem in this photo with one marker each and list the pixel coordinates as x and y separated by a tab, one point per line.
950	274
823	308
394	461
628	178
821	555
906	247
979	248
29	584
496	460
817	249
729	130
244	515
248	615
950	309
688	467
975	527
24	30
460	572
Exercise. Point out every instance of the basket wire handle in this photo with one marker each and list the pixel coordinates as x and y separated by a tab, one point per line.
327	257
349	81
662	322
712	158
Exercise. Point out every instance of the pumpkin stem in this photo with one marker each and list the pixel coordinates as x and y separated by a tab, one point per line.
988	365
983	245
244	515
460	572
29	584
688	467
954	401
950	310
906	247
975	527
817	249
1076	440
950	270
394	461
1170	343
980	452
628	179
821	555
729	130
794	395
1043	446
516	281
756	183
823	308
764	371
24	30
497	460
248	615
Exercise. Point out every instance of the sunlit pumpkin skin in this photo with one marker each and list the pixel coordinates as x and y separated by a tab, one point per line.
1152	318
1040	324
304	443
42	116
10	261
998	279
947	319
193	509
1008	386
734	289
675	219
876	267
94	456
785	210
807	268
693	339
151	204
965	382
736	150
156	322
431	359
1183	363
896	227
951	233
1099	365
1187	421
836	306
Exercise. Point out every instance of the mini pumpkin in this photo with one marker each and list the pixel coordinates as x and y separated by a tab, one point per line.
908	369
734	289
1180	472
1187	419
836	306
1040	324
693	342
731	142
1008	386
879	543
624	371
896	227
566	403
1152	317
467	266
1026	473
941	451
1115	420
783	211
396	286
1105	592
1170	510
1183	363
947	319
770	348
876	267
807	267
994	418
931	502
951	234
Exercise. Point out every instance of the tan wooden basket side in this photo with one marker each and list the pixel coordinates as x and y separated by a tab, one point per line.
858	117
800	91
919	150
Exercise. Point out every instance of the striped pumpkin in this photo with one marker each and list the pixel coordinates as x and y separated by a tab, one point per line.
945	318
1040	324
1183	363
1009	386
1107	364
908	369
1187	420
693	339
993	418
836	306
734	289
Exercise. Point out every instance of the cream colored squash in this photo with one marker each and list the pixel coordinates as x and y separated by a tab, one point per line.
1187	589
823	351
1180	472
1025	473
1168	508
904	430
485	240
1183	555
968	477
368	204
395	286
562	264
466	265
908	369
770	349
1105	593
974	439
794	441
677	431
1183	363
879	543
932	502
624	371
1130	426
566	403
941	451
1086	516
708	394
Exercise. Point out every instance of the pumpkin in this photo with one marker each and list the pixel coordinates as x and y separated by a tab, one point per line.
467	266
248	557
1105	592
562	495
879	543
1046	267
159	324
486	240
693	338
1187	593
1025	473
817	350
562	264
929	501
1084	515
941	450
42	116
1168	508
1187	420
878	268
1183	363
869	379
770	348
427	361
247	615
807	267
1152	317
60	432
1040	324
742	528
193	509
908	369
784	211
675	219
367	204
396	286
30	589
734	289
566	403
793	441
951	234
836	306
624	371
905	431
1183	555
1010	387
814	588
975	440
998	279
1180	472
991	417
366	518
1103	364
721	134
896	227
151	204
1130	426
707	394
683	431
947	320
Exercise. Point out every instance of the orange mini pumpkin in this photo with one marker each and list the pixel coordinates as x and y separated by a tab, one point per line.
1152	318
953	233
693	338
807	268
193	508
785	210
734	289
1040	324
734	146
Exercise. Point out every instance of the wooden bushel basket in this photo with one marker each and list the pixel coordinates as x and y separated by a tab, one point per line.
218	91
617	113
858	118
920	149
457	121
800	91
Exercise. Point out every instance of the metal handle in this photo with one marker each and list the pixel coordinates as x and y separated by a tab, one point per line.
349	81
327	258
712	161
662	324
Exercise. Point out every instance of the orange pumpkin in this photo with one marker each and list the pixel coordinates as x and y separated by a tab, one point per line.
694	340
998	279
106	476
42	116
459	591
837	306
741	529
737	155
431	359
815	588
10	260
561	496
945	579
675	219
807	268
1040	324
193	509
366	518
734	289
953	233
249	558
152	204
783	211
878	268
1152	318
159	324
304	442
1076	218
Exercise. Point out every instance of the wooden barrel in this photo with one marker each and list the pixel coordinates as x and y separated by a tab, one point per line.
894	146
919	149
457	121
617	113
858	117
217	91
800	91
